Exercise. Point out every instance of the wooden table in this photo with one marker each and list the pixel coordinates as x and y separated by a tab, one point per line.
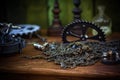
15	67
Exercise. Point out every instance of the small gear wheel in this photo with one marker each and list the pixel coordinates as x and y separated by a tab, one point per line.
79	30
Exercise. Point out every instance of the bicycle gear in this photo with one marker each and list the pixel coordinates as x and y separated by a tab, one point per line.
24	29
81	33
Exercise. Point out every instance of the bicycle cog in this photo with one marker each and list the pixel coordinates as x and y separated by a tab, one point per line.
80	32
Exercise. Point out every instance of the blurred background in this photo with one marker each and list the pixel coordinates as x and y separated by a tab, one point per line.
40	11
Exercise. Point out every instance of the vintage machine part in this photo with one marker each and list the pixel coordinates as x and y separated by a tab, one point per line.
26	29
82	35
9	43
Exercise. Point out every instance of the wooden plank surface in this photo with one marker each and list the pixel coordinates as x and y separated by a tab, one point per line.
16	64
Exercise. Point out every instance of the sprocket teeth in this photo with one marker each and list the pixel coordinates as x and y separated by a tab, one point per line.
73	22
77	21
83	23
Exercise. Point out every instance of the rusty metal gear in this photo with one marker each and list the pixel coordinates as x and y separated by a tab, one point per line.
80	31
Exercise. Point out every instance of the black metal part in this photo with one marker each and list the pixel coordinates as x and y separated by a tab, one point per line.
82	36
111	52
8	43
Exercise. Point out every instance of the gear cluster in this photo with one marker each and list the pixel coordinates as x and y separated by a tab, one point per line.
85	50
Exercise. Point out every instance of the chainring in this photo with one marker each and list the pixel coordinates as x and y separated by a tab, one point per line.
81	32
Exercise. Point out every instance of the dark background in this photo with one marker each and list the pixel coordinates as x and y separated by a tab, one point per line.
39	11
